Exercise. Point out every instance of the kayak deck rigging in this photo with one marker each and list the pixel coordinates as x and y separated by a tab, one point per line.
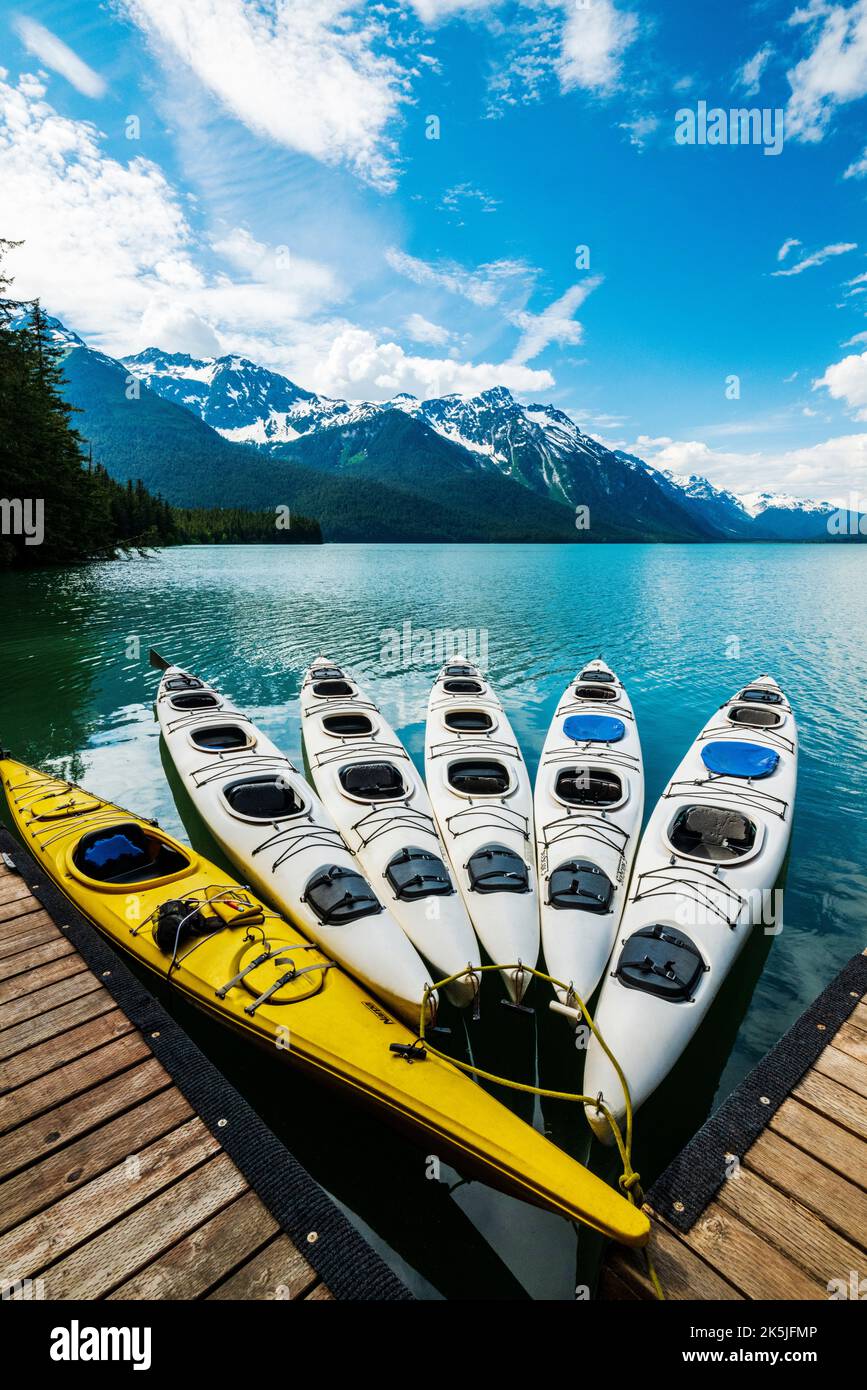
668	882
722	785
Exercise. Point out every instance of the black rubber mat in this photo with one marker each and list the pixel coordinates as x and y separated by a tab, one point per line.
694	1177
340	1255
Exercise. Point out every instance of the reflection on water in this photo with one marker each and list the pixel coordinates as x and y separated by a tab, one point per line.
683	625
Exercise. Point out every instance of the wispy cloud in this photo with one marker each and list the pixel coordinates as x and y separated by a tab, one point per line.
640	129
750	75
317	78
456	199
858	169
556	324
57	56
788	245
485	286
838	248
421	330
834	71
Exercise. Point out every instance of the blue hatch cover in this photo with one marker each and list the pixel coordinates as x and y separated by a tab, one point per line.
730	758
594	728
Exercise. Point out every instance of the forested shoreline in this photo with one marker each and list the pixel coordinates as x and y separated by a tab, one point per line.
59	506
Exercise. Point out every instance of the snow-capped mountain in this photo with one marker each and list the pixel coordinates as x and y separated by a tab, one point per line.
538	446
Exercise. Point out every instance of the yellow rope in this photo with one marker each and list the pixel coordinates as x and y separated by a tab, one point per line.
629	1181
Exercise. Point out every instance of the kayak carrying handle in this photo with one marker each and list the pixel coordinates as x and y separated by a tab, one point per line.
629	1181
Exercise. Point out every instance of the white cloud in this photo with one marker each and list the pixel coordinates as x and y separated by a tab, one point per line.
55	54
309	76
829	470
595	37
847	381
750	75
855	341
358	366
178	328
833	73
640	129
462	193
421	330
485	286
838	248
857	170
788	245
556	324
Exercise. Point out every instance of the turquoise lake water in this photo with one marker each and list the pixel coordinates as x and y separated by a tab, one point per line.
683	627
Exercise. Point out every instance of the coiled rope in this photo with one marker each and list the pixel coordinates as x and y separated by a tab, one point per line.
629	1181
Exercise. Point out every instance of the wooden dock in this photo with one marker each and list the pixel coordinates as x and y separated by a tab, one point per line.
112	1185
788	1220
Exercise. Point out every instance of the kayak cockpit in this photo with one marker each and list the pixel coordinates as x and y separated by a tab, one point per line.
221	738
589	786
715	833
755	716
127	854
267	797
347	725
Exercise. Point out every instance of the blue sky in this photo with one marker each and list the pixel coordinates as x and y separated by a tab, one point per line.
281	197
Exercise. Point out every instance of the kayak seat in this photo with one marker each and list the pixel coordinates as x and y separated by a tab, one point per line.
347	725
468	721
712	832
220	738
595	692
462	687
416	873
126	853
594	728
661	960
264	798
731	758
588	786
194	700
373	781
580	884
479	777
339	894
327	689
328	673
755	718
496	869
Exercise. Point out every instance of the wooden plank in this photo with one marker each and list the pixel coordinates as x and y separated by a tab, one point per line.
36	1061
206	1256
62	1172
611	1288
279	1271
13	889
320	1294
40	1095
41	954
30	932
11	914
21	985
748	1261
54	1023
114	1256
104	1202
682	1273
843	1069
852	1040
49	1132
826	1141
835	1101
821	1251
838	1202
858	1015
46	999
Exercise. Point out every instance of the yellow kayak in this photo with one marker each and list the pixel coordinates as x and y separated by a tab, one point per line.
242	963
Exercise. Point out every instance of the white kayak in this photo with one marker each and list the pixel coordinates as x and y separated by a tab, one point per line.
589	800
370	786
270	823
706	867
483	803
